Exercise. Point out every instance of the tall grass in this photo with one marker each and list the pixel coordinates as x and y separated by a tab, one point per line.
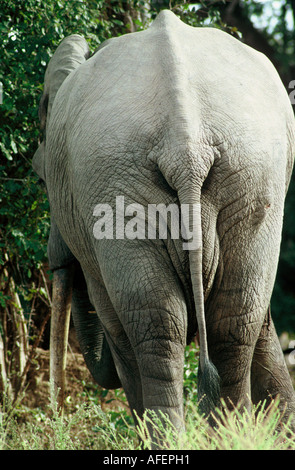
234	430
88	427
91	428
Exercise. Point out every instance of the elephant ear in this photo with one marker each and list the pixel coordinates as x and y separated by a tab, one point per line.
38	162
71	53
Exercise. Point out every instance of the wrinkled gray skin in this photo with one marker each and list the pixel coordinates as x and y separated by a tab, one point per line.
171	114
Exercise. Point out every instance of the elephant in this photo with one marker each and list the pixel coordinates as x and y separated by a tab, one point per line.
180	117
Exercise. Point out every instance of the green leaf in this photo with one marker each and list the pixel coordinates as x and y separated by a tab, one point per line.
13	146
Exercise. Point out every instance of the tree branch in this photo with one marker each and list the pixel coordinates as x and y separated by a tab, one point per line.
234	15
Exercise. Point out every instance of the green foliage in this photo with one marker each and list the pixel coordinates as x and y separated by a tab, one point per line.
190	374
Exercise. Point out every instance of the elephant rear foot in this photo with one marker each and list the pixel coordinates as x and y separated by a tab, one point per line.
269	374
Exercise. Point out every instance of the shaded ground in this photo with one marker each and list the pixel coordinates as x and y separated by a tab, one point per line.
79	384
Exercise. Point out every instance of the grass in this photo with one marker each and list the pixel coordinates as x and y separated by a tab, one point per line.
91	428
85	426
235	430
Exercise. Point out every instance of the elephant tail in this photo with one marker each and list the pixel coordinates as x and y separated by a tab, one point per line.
208	378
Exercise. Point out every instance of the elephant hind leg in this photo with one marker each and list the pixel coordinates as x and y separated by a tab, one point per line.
269	374
91	336
127	371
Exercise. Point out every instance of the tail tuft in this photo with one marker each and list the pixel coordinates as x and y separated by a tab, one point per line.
208	388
